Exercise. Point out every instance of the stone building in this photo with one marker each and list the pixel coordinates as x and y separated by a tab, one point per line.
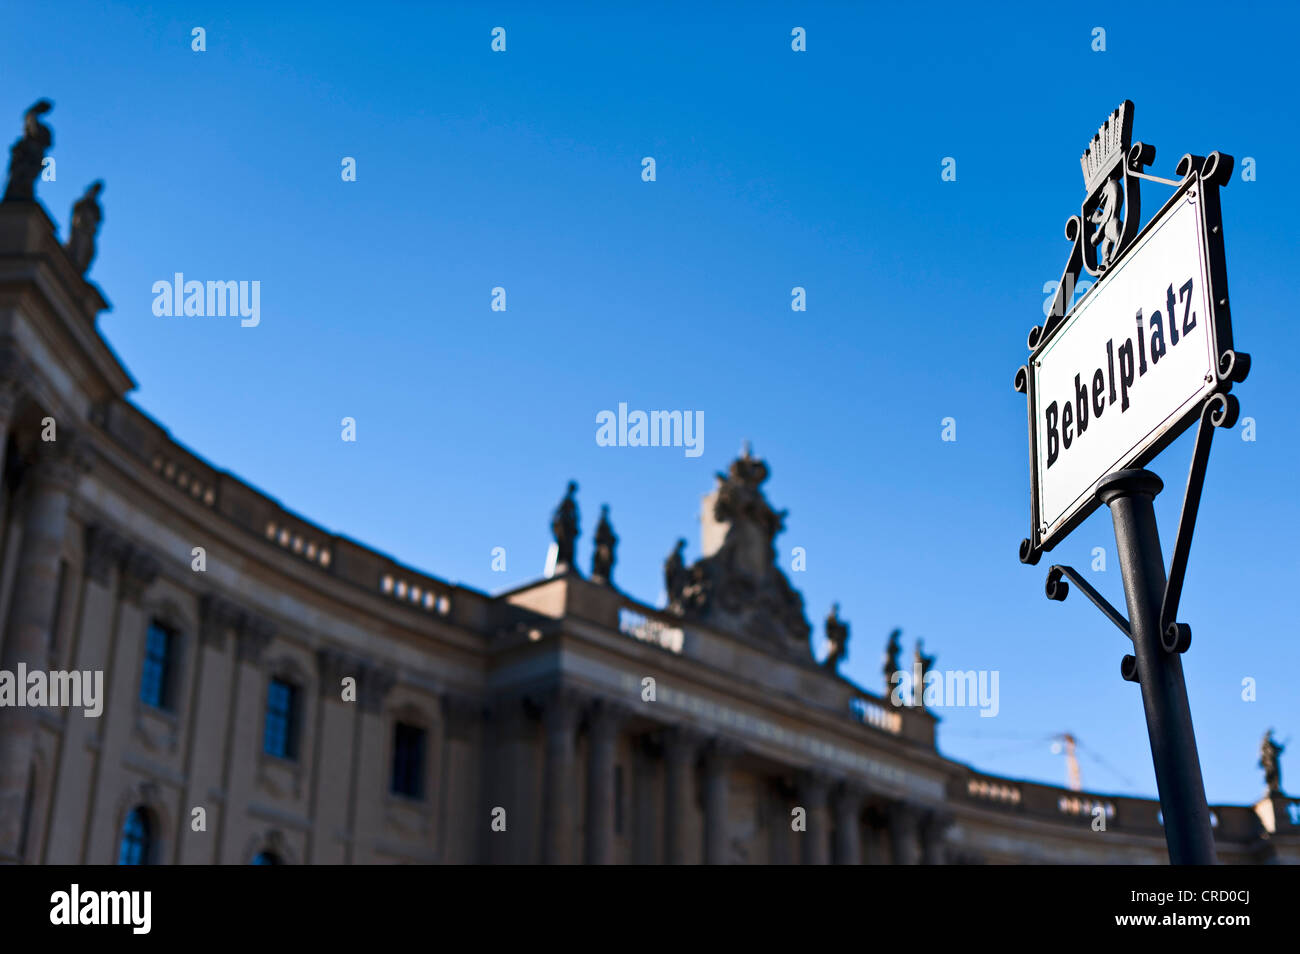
323	703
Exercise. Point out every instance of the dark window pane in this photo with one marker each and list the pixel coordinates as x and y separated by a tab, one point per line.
281	733
137	839
155	677
408	761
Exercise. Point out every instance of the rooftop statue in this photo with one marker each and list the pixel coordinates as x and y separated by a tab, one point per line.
923	664
28	153
1269	752
86	219
676	576
602	561
893	649
837	635
564	526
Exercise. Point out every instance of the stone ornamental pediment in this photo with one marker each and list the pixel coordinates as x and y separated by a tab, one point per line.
737	586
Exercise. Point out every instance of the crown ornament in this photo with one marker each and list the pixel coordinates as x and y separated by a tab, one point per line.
1109	145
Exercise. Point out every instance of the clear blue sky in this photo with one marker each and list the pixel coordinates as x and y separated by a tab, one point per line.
775	169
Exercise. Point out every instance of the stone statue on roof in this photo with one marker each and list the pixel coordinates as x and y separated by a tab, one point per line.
602	560
564	526
1269	752
86	218
922	665
837	635
27	155
893	649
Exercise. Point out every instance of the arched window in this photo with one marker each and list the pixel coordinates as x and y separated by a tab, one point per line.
156	675
137	838
408	761
267	858
280	734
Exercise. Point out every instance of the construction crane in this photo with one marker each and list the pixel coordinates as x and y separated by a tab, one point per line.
1066	742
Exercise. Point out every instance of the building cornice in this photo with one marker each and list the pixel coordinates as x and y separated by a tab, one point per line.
37	274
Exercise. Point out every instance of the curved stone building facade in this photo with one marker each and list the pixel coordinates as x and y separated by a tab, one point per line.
287	695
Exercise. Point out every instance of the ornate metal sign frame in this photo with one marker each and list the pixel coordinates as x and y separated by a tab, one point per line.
1113	168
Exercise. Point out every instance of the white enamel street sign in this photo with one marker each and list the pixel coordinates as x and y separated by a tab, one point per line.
1128	368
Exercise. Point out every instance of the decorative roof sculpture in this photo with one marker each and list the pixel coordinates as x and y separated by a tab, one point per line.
738	587
602	559
564	526
1269	761
837	637
893	650
27	155
86	219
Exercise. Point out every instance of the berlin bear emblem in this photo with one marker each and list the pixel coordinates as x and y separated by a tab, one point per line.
1109	221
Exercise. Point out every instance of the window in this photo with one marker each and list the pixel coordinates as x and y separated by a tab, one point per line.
408	761
137	839
156	676
281	736
267	858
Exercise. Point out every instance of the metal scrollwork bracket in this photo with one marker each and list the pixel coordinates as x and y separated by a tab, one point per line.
1058	589
1219	410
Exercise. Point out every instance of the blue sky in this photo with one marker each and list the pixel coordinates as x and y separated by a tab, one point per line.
774	169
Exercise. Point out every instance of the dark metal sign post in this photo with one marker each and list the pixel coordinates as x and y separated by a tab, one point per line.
1129	494
1108	453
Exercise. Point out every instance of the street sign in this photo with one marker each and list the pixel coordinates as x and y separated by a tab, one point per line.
1129	368
1145	352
